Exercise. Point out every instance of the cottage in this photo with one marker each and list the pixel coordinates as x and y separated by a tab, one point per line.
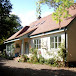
45	35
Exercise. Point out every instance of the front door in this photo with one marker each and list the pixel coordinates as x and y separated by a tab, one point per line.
26	48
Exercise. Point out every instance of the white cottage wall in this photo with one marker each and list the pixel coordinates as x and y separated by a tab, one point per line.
45	45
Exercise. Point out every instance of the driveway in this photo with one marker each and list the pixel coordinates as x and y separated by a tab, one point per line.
13	68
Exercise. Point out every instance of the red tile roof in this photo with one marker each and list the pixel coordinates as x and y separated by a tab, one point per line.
50	24
44	25
18	33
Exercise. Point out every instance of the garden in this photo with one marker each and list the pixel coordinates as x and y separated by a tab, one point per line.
36	58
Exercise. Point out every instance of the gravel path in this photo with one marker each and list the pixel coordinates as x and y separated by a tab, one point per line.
13	68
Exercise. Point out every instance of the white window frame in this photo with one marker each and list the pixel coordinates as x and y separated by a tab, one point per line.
37	43
54	41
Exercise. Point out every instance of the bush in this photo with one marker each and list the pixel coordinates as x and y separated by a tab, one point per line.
33	51
41	59
60	64
4	54
23	58
62	52
33	59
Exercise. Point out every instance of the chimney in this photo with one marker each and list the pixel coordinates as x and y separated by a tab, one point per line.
38	17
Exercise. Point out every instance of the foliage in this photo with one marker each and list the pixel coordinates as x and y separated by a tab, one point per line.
5	9
55	61
33	51
33	58
9	24
4	55
60	8
41	59
55	56
62	52
23	58
38	10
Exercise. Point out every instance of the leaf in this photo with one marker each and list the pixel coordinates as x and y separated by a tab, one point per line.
57	1
60	7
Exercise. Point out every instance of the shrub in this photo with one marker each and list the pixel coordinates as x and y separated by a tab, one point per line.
41	59
33	51
33	58
60	64
62	53
4	53
52	60
23	58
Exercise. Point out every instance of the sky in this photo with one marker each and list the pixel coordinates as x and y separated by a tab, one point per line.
26	10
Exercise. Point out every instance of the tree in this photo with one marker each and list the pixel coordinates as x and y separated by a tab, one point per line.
5	9
13	24
38	10
9	24
60	7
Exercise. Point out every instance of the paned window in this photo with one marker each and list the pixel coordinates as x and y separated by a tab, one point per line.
37	43
55	41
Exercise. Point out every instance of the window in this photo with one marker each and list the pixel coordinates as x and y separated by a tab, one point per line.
55	41
37	43
8	47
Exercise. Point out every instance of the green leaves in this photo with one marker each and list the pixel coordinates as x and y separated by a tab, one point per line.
38	9
9	24
61	8
57	1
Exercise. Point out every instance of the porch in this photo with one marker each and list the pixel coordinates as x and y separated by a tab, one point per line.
22	46
19	47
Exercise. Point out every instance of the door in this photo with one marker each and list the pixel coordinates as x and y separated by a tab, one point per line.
26	48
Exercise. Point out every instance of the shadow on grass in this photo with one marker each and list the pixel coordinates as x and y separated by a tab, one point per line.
8	71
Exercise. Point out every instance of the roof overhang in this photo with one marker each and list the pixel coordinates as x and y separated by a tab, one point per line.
19	38
48	33
37	35
11	41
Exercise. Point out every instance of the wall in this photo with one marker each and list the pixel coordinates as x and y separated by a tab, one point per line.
45	44
18	49
72	41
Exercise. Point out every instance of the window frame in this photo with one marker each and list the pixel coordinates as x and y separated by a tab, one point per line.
37	45
10	46
54	42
